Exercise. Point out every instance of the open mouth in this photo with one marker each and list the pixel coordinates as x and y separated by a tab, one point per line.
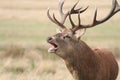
53	48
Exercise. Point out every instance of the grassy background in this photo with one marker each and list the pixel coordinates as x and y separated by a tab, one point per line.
24	27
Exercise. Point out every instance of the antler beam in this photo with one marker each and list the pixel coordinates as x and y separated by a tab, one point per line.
64	15
114	10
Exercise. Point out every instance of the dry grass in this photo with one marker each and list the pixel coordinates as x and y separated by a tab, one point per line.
32	65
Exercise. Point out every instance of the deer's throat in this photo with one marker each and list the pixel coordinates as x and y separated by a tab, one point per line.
80	63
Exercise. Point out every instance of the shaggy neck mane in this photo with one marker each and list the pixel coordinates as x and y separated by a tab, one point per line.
79	62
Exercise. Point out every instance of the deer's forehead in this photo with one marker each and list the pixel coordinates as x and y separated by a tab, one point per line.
58	35
61	34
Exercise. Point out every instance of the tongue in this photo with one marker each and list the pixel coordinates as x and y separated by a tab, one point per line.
52	49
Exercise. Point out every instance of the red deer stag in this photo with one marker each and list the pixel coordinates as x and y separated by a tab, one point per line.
83	62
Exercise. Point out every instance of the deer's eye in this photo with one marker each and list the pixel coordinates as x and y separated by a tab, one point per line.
66	37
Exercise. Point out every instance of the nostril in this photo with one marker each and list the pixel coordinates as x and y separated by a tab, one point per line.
49	39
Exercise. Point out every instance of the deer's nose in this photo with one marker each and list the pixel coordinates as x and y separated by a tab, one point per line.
49	39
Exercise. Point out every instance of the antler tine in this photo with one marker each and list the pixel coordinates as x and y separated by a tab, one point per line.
84	9
77	27
79	20
114	10
54	20
60	7
48	14
71	21
73	8
63	15
58	23
73	11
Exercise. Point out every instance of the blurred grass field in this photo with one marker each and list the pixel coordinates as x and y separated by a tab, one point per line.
24	27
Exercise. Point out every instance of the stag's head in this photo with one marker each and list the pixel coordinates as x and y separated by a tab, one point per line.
66	40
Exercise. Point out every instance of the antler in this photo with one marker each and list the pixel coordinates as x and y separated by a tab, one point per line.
64	15
114	10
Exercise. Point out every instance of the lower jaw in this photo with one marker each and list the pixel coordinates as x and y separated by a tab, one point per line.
52	50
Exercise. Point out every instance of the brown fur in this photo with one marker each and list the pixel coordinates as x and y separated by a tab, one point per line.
96	64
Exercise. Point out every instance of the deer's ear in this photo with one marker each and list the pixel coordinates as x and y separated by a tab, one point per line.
58	30
80	32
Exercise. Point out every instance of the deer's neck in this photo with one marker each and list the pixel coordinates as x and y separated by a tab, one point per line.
81	62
